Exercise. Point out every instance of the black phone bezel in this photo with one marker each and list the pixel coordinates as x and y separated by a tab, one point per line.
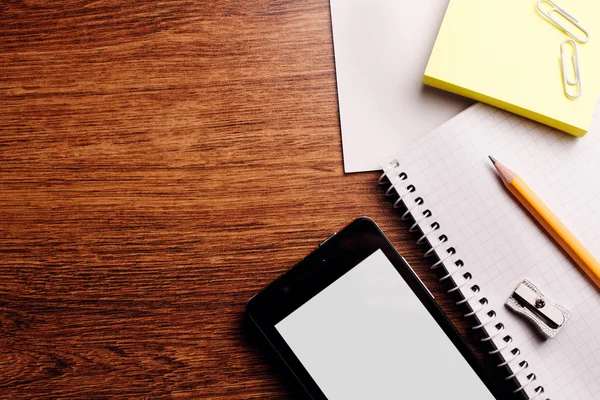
322	267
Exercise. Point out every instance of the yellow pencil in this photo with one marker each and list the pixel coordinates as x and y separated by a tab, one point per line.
550	222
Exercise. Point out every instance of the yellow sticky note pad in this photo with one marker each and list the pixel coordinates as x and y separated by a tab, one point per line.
505	53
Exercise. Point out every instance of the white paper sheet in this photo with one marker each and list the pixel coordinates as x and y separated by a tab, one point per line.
381	51
500	244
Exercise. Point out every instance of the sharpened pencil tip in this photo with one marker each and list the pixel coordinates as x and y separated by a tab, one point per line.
493	160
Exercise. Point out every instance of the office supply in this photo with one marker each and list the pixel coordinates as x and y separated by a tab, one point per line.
554	9
563	15
529	301
485	242
381	50
563	236
573	69
506	54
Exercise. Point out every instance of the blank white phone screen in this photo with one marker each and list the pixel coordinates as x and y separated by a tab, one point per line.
367	336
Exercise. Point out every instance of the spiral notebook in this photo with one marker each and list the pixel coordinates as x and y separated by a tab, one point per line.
484	243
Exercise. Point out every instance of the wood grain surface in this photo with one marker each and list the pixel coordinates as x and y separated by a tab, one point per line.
160	163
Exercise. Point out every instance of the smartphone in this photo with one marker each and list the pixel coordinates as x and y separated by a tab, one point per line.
353	321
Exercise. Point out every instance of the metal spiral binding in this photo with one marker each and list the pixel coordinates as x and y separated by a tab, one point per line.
458	264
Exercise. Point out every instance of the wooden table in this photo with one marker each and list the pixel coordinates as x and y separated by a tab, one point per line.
160	163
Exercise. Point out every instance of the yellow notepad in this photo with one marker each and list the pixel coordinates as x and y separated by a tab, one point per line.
505	53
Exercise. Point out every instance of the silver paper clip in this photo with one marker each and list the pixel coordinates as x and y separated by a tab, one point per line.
569	83
557	15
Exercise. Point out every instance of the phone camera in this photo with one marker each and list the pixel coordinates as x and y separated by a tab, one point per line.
287	289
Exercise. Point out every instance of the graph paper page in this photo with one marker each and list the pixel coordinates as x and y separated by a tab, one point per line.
502	244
